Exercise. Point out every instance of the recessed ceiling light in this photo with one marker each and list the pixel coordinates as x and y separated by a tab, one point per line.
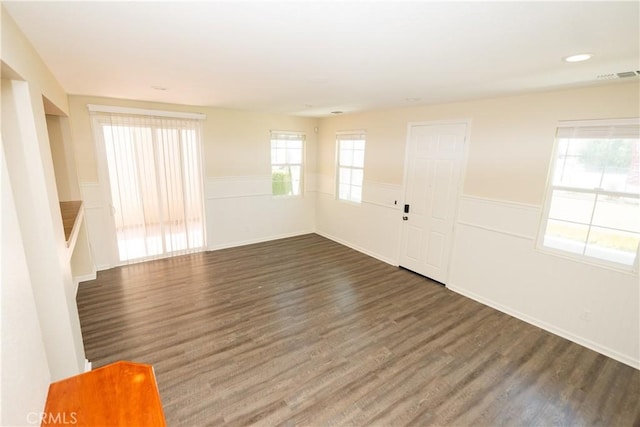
336	112
578	58
158	87
412	99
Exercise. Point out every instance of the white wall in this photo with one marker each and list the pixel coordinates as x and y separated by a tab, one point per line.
23	368
241	210
31	177
494	258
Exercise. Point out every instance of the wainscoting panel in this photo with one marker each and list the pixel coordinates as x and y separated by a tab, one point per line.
516	219
326	184
241	210
373	192
495	262
96	216
91	195
237	186
366	227
311	182
382	194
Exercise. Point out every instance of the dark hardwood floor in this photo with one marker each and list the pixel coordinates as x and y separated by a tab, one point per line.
304	331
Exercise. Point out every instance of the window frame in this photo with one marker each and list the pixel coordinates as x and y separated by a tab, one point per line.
101	117
363	136
550	188
302	138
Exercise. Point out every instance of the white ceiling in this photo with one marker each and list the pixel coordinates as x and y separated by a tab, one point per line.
311	58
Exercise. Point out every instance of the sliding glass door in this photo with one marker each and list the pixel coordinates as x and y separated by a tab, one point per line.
154	171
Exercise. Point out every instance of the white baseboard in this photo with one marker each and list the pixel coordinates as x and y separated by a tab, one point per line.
358	248
550	328
258	240
87	365
78	279
103	267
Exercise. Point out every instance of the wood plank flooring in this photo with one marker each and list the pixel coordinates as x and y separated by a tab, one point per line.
304	331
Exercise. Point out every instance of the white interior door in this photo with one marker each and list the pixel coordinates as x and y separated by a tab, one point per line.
433	168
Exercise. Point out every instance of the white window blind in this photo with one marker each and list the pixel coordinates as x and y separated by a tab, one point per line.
287	158
155	180
351	146
592	209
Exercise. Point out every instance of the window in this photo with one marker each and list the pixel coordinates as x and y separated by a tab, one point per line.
592	207
350	165
153	168
286	163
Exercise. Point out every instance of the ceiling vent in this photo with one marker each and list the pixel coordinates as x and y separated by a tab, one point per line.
616	76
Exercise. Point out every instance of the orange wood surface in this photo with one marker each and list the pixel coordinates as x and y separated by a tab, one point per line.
69	212
119	394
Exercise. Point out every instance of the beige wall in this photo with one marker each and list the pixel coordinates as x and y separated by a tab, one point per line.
63	158
511	137
236	143
59	159
22	58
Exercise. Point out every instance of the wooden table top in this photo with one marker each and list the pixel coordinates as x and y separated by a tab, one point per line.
119	394
69	211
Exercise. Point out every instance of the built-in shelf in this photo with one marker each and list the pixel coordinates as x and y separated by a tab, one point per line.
72	215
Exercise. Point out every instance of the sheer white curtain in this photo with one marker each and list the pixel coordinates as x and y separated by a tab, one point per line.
155	178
